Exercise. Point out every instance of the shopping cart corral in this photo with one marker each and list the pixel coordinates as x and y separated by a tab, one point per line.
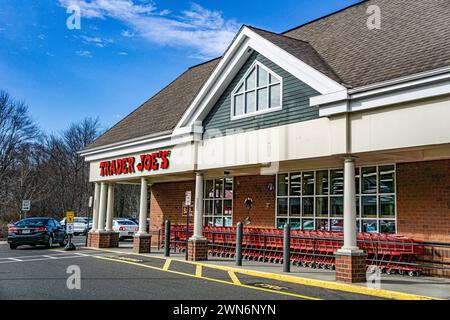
314	249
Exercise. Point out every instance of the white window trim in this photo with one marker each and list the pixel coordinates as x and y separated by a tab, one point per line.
242	82
223	199
359	216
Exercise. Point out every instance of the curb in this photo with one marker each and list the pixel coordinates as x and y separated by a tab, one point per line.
381	293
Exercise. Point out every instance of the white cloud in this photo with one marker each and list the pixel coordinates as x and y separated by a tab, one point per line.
97	41
165	12
41	36
204	31
84	53
127	34
122	53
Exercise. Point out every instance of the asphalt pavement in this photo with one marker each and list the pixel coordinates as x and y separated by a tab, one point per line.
40	274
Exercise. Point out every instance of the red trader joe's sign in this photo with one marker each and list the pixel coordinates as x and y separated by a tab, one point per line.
147	162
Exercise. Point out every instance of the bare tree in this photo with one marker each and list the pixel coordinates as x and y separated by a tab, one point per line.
17	132
16	129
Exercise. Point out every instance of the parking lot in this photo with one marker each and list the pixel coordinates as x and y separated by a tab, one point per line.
39	273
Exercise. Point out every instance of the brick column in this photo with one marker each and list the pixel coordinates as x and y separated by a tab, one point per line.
197	250
350	260
142	243
99	240
351	267
113	240
197	244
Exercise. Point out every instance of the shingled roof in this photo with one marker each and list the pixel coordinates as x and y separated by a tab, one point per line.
299	49
414	37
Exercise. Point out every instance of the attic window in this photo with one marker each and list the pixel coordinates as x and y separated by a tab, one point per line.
259	91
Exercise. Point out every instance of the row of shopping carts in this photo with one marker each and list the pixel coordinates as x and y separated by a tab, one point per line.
313	249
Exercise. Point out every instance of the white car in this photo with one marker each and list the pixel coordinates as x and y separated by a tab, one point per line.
80	225
125	227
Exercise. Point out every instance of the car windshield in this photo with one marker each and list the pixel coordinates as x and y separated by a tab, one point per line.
126	223
80	220
32	222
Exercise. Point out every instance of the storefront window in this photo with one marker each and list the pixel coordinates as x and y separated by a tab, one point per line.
322	207
387	179
376	202
218	202
308	183
369	180
322	182
296	184
314	199
283	184
283	207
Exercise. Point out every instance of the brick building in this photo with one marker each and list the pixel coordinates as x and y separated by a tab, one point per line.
333	125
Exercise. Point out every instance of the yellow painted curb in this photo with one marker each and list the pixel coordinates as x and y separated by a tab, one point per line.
381	293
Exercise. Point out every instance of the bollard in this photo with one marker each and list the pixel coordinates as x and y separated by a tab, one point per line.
287	249
167	239
239	232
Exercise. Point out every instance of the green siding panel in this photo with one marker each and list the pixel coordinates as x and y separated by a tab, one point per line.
296	107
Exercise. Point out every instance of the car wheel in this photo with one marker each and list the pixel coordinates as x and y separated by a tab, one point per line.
12	246
64	242
49	242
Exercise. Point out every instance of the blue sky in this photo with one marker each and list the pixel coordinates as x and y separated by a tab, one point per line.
125	51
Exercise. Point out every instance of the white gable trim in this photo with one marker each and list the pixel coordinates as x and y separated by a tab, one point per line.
236	55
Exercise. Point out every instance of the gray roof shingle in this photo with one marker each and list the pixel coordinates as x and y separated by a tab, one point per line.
299	49
414	37
161	112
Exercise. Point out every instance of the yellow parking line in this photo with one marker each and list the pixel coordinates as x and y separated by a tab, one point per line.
198	271
167	265
234	278
210	279
381	293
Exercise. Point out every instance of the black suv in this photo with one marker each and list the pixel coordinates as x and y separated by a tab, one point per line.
36	231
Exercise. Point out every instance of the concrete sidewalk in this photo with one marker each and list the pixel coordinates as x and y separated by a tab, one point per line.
421	286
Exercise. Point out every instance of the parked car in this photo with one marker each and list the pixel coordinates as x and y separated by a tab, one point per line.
126	228
36	231
81	225
137	222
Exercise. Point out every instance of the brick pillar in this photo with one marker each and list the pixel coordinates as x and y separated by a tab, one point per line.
351	267
142	243
114	240
197	250
103	240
